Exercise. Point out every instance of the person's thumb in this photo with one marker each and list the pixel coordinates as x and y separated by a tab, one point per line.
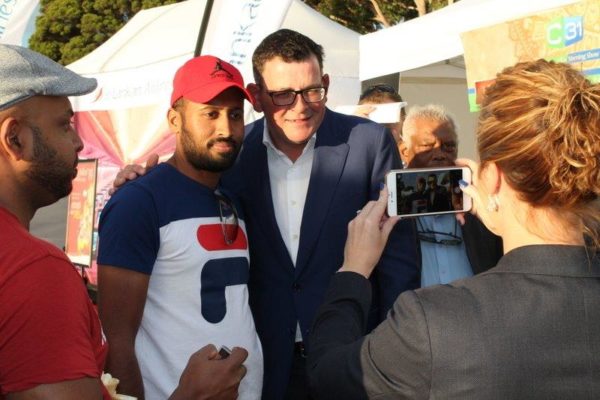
472	192
208	352
238	355
467	189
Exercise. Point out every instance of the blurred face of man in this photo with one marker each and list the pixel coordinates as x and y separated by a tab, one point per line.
211	134
55	145
434	144
432	182
292	125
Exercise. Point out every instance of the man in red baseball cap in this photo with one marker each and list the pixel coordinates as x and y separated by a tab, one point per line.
173	251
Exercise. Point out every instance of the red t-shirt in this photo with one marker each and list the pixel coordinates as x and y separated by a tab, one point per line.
49	329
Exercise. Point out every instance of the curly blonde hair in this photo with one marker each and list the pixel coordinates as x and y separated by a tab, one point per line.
540	123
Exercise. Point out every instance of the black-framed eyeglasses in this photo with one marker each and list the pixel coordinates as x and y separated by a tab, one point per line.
287	97
229	218
447	238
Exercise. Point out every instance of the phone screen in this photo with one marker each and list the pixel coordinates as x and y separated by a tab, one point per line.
429	191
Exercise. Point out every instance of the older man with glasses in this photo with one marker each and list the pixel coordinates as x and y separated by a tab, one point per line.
449	251
173	250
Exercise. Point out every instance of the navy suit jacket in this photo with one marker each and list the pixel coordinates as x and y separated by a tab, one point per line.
351	158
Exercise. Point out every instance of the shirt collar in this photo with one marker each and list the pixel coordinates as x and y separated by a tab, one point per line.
268	142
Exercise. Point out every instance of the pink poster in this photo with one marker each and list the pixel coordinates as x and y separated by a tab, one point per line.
80	214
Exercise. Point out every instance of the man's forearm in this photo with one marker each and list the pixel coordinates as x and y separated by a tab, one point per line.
123	365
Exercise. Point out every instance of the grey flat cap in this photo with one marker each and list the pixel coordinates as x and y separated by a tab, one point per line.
25	73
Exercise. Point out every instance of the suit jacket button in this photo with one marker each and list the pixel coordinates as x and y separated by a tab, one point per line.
296	287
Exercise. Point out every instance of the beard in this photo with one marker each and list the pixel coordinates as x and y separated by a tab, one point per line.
48	170
202	159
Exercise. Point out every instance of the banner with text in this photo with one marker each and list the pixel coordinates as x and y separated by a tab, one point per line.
17	21
237	27
569	34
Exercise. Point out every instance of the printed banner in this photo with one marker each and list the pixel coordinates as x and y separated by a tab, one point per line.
17	21
104	180
80	214
569	34
139	87
236	27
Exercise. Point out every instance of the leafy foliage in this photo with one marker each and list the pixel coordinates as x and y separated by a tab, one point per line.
67	30
361	16
367	16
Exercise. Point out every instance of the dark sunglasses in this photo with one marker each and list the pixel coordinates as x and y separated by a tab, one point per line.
448	239
229	218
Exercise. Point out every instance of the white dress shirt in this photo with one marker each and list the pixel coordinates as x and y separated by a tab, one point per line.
289	185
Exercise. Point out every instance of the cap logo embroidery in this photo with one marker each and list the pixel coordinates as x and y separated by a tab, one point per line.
220	72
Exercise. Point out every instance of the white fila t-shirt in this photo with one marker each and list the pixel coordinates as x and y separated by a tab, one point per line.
166	225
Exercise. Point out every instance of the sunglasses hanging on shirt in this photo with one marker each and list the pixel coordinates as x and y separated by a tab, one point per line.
229	218
447	239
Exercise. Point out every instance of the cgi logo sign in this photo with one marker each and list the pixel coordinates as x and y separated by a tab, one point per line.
563	32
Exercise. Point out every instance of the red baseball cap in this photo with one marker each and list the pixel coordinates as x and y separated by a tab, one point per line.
203	78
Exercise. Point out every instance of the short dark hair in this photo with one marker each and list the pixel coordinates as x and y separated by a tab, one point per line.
289	45
378	94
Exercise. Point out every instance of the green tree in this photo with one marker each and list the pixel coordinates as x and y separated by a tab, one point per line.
365	16
425	6
67	30
368	16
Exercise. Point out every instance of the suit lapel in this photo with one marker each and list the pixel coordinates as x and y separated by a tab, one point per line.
258	194
328	165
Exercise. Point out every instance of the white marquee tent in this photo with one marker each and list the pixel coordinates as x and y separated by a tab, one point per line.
135	68
427	52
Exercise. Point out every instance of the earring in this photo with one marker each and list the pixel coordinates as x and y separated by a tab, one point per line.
493	203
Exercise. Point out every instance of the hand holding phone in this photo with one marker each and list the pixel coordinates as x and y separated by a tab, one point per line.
427	191
368	233
224	352
208	376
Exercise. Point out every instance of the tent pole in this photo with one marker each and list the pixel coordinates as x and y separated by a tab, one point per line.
203	27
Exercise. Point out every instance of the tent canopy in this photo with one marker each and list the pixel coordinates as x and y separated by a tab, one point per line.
435	37
136	65
123	120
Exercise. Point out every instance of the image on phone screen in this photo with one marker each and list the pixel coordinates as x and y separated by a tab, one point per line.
431	191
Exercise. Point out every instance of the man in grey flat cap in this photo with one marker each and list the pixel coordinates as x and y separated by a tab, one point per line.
51	342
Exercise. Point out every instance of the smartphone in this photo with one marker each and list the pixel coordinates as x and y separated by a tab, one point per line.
224	352
427	191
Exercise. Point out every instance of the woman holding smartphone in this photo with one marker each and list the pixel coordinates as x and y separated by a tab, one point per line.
528	328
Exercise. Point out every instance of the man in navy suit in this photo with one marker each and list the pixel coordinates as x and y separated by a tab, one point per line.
302	174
